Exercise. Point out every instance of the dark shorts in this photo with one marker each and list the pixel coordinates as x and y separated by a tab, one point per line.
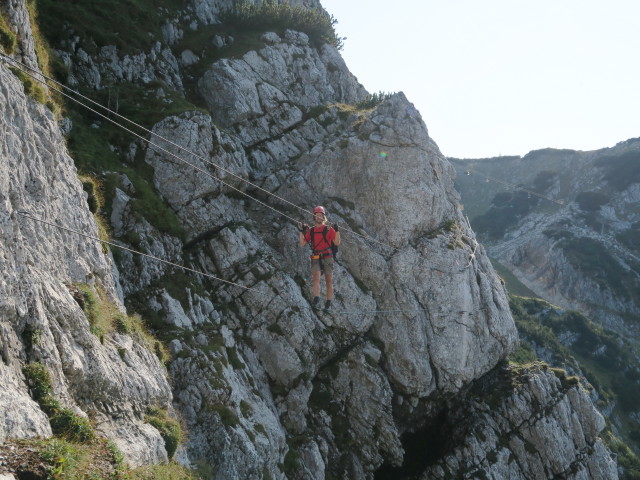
327	265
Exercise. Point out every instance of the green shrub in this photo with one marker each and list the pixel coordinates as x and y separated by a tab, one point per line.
50	405
621	171
38	379
290	461
594	260
270	15
544	180
31	337
169	428
507	208
234	359
373	100
246	408
87	21
275	329
523	354
630	239
591	201
71	426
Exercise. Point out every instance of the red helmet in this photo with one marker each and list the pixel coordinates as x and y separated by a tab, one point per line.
319	210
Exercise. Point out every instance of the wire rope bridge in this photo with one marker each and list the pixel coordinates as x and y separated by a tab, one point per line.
122	122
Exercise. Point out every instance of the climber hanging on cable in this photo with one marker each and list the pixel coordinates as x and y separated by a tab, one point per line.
323	240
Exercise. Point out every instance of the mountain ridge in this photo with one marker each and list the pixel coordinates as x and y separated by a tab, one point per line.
580	230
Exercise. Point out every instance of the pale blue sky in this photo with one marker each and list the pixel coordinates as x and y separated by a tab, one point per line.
502	77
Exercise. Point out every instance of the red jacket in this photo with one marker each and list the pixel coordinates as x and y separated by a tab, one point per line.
319	243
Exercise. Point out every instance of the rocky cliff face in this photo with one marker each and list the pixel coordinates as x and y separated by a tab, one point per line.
40	320
266	386
581	253
496	433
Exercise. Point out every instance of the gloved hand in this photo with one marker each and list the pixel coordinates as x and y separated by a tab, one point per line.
303	227
336	228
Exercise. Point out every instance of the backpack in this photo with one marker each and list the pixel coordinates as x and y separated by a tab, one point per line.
334	247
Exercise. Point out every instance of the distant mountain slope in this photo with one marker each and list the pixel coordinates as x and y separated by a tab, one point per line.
608	362
566	223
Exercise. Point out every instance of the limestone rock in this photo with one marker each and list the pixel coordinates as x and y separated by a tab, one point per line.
20	23
357	395
270	88
191	183
545	428
108	67
40	321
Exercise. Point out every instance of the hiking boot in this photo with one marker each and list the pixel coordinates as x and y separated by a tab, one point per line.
327	305
316	302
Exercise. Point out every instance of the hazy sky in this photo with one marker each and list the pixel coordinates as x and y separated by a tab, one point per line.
502	77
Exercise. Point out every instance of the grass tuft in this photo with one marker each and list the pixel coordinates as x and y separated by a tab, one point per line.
32	88
170	471
106	318
60	459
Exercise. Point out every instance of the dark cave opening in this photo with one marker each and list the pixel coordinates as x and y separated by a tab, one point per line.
422	448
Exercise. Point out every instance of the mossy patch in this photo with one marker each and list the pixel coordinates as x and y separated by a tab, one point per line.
169	428
226	414
8	39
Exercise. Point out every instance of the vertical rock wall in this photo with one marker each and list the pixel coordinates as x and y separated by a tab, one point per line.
40	320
